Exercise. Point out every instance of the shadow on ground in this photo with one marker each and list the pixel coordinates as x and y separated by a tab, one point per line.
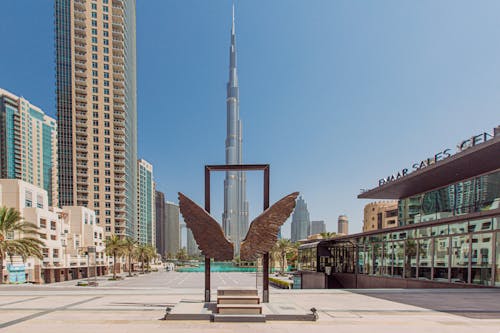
471	303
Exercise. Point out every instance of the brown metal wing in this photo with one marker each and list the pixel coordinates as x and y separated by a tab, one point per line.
263	232
206	231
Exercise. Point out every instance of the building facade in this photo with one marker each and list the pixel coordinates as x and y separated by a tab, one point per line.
96	110
192	246
67	235
28	144
173	228
146	225
300	221
382	214
448	233
342	225
317	227
235	215
161	223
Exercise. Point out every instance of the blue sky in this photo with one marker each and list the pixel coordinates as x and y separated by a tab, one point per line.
334	94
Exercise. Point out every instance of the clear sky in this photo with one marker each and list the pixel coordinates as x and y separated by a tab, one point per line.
334	94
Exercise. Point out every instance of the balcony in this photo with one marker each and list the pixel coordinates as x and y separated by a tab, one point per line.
81	89
119	138
81	148
81	181
80	47
79	13
119	107
118	19
79	4
119	130
119	84
79	55
81	98
81	139
119	170
119	91
81	115
80	73
120	162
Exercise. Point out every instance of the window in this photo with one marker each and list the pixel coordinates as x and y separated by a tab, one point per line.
96	180
94	48
96	188
28	201
94	56
105	34
106	116
105	17
94	23
95	123
94	15
94	31
106	41
94	65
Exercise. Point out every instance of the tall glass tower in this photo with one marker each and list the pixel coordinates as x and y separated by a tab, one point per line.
96	109
235	215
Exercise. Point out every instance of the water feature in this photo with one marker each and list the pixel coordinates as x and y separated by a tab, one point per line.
217	267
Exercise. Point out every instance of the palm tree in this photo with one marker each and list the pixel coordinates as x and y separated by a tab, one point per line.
114	247
141	254
182	254
328	234
129	246
17	237
284	246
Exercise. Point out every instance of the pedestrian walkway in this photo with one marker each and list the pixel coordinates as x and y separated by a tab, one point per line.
138	304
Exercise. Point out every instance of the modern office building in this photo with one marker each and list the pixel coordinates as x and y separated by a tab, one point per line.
317	227
96	109
342	225
173	228
380	215
67	233
448	233
146	225
28	144
235	215
192	247
300	221
161	223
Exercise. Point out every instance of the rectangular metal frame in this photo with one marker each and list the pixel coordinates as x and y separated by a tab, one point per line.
239	167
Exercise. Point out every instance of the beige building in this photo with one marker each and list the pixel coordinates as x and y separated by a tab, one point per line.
96	108
63	257
28	144
343	225
380	215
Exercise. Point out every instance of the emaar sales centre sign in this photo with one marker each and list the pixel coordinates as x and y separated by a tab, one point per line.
442	155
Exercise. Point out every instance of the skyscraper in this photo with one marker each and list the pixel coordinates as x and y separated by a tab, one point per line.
161	223
96	109
192	247
300	221
343	225
173	228
235	215
317	227
28	144
146	226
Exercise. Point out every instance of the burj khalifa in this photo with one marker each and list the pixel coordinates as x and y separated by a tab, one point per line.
235	215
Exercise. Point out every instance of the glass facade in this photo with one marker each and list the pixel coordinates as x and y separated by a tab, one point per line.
463	250
474	195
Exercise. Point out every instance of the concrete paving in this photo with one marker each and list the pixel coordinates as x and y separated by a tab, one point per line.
137	304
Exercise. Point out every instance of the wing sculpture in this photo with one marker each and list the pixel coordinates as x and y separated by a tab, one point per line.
263	232
206	231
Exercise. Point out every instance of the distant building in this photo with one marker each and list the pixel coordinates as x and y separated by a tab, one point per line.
317	227
28	144
382	214
343	225
300	221
173	228
161	223
145	204
192	247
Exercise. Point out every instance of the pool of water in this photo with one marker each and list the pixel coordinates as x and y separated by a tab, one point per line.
217	267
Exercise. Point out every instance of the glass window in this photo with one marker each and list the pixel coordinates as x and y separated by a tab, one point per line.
480	225
398	258
424	232
497	271
481	259
458	228
378	255
410	259
460	259
425	258
441	257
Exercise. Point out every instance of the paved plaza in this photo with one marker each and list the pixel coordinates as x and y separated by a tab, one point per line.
138	303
